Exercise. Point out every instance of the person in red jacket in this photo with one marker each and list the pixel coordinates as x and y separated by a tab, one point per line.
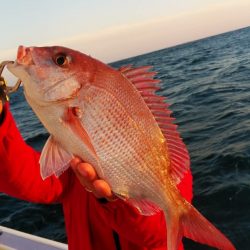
94	220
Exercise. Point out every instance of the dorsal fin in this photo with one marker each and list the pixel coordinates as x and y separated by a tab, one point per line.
143	80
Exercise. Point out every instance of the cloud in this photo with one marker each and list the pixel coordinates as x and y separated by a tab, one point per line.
126	41
8	54
129	40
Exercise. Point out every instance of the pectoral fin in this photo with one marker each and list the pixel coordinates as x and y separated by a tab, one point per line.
54	159
72	120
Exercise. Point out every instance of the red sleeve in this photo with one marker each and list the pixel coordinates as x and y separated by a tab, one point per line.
146	231
19	167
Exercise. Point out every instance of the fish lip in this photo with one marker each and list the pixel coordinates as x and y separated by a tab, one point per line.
24	56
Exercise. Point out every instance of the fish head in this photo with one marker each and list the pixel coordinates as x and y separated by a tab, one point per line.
52	73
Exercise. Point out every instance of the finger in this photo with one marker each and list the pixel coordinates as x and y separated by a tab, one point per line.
87	171
99	188
88	178
85	174
102	189
84	182
74	162
1	106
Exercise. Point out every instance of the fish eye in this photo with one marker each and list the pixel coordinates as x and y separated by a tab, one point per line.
61	60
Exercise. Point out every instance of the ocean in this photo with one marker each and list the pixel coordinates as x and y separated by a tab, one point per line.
207	83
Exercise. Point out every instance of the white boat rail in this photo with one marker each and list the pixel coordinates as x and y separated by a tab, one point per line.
11	239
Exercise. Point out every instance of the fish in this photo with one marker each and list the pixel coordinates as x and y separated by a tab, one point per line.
114	120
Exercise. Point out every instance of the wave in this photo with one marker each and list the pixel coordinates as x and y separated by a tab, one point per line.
37	141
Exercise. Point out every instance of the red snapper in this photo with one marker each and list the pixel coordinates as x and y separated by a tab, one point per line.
114	120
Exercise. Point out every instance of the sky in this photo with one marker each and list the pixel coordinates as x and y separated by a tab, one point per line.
111	30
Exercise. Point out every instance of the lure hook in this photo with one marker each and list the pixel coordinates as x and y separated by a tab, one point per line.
4	89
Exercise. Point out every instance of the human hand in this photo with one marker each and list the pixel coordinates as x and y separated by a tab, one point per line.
1	107
87	176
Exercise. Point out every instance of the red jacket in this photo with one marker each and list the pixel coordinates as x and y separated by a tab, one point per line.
90	224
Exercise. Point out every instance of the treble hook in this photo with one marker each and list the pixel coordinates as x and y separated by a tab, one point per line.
4	89
3	64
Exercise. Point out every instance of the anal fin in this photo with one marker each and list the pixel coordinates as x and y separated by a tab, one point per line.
144	207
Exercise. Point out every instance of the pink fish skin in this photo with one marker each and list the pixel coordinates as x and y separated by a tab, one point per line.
114	120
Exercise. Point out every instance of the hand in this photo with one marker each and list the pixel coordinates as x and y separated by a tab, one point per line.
87	176
1	107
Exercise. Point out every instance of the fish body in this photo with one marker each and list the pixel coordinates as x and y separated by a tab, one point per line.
113	120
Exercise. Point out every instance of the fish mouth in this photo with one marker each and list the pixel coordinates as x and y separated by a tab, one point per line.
24	56
22	63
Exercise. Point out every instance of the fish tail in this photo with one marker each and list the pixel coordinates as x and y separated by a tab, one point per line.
188	222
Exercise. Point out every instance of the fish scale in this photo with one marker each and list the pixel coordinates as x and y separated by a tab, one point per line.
120	152
131	99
